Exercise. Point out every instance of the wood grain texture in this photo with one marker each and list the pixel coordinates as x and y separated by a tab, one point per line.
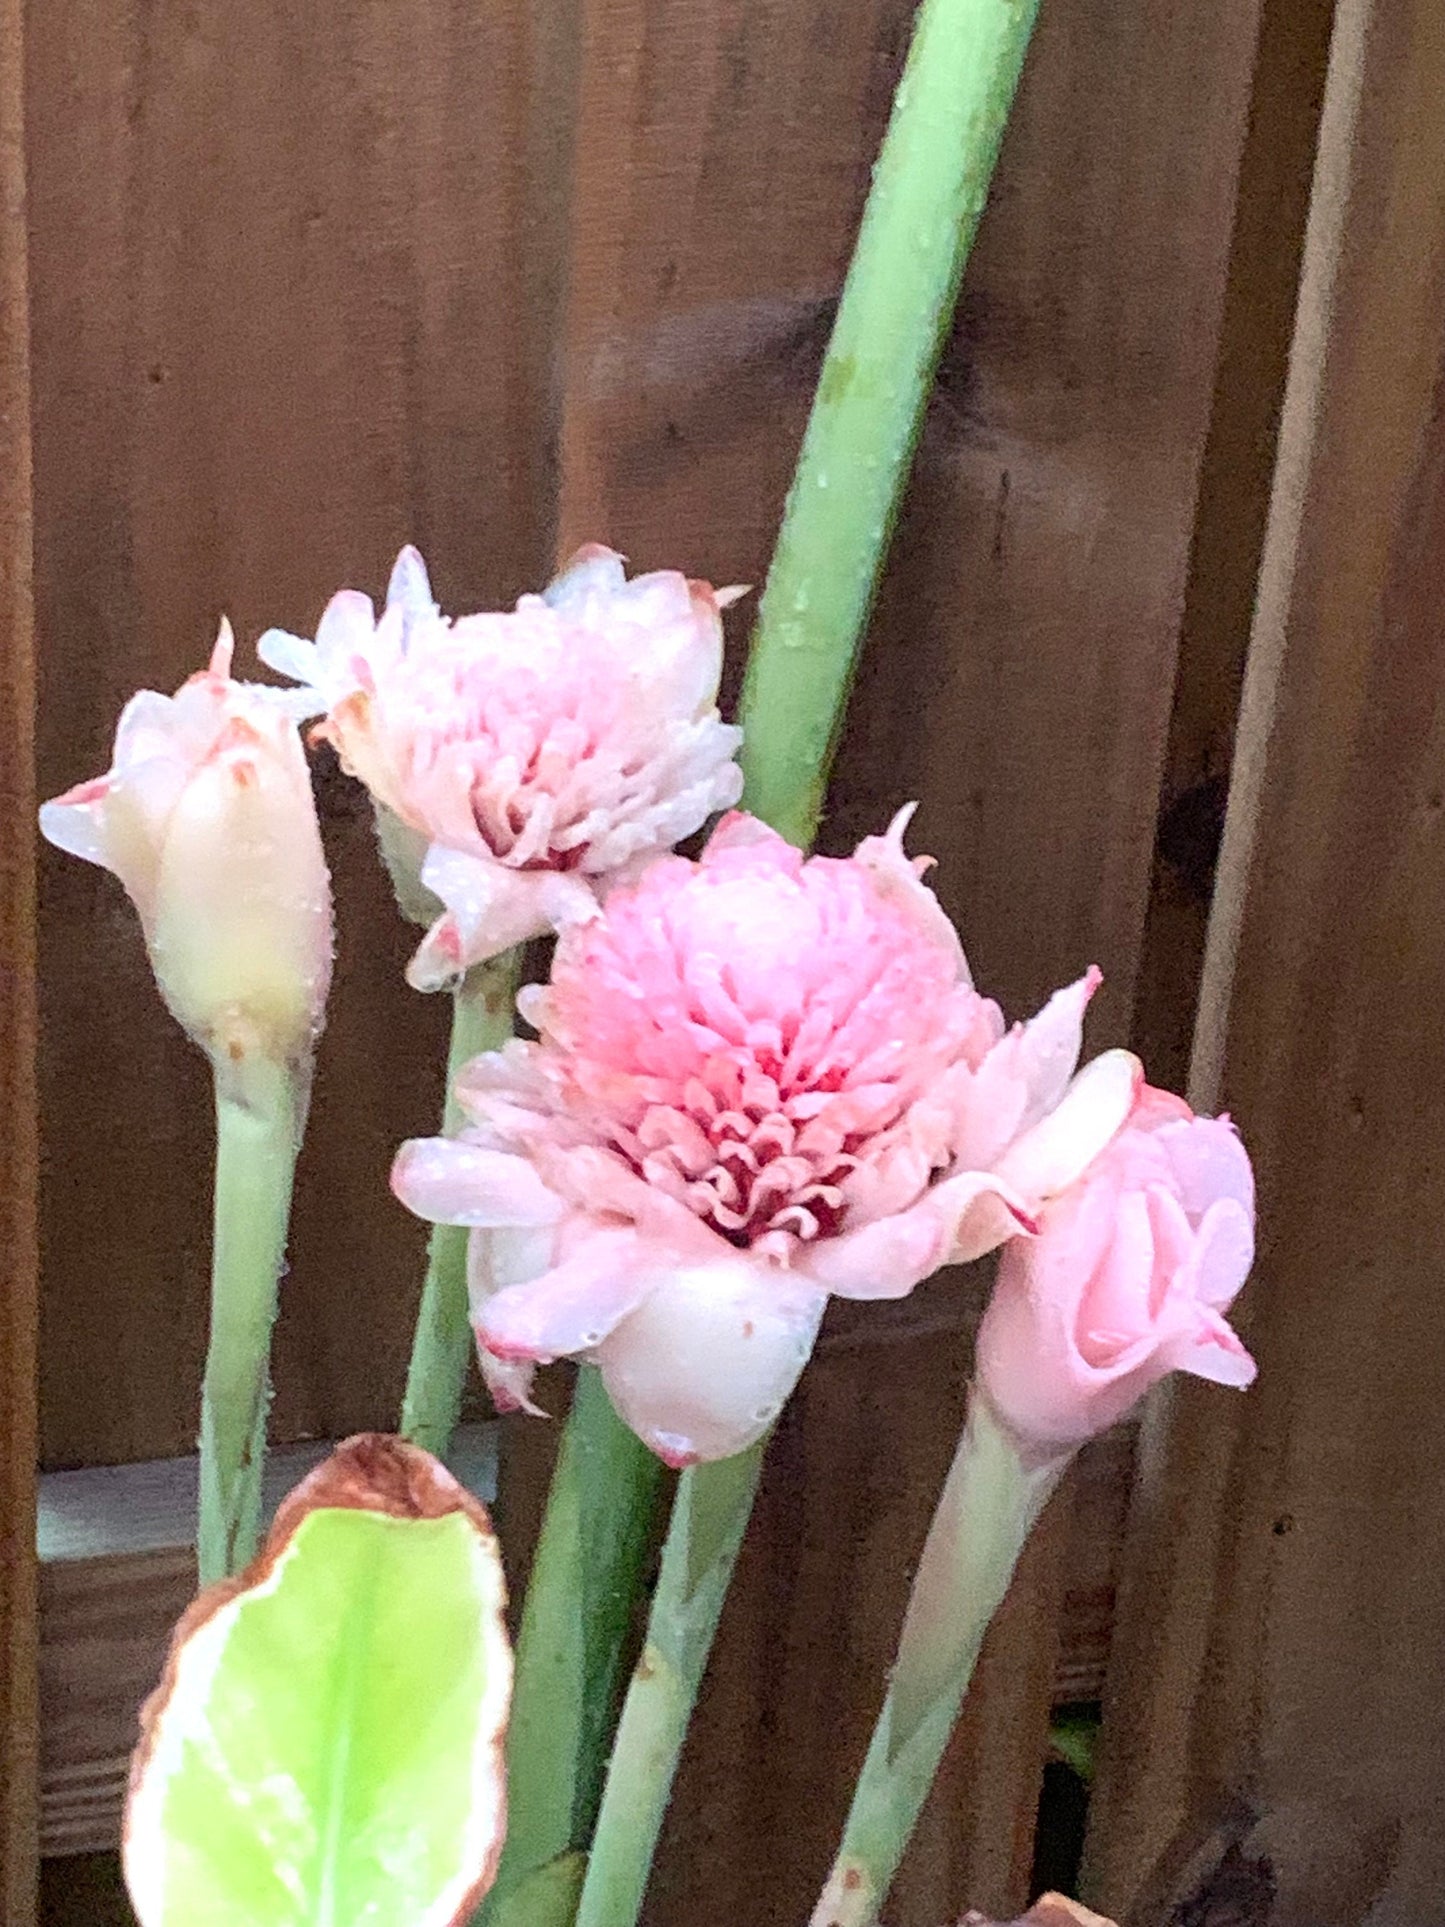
105	1627
1276	170
18	1250
291	300
1276	1720
1018	680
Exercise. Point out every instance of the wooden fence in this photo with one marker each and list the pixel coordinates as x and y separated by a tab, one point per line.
285	287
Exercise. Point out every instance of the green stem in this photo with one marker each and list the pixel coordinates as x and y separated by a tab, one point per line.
989	1503
260	1115
923	210
928	193
441	1348
709	1517
590	1564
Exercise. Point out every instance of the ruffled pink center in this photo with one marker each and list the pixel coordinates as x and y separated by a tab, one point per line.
505	720
760	1038
735	1155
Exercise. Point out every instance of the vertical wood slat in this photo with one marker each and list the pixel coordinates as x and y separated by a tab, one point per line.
293	285
1274	1726
1019	681
1276	170
18	1251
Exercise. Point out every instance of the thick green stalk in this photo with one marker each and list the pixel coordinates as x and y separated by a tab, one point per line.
589	1568
923	210
709	1517
260	1115
928	193
989	1503
441	1348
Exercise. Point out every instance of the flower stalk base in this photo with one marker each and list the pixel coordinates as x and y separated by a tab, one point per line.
709	1517
260	1117
990	1500
441	1348
596	1540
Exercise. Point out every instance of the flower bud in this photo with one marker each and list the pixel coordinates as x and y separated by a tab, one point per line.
1130	1275
207	818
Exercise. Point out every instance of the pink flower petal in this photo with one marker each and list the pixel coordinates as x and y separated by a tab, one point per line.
1214	1352
1049	1045
604	1275
451	1181
1208	1161
490	908
495	1260
586	579
1064	1143
409	588
1223	1252
956	1221
705	1363
898	877
75	822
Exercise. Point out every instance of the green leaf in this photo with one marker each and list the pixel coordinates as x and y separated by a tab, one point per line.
325	1747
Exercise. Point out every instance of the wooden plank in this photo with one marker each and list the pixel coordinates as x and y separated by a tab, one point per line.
1019	681
104	1627
103	1511
18	1252
292	284
1276	170
1276	1717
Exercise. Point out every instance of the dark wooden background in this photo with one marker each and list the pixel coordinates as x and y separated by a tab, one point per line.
501	276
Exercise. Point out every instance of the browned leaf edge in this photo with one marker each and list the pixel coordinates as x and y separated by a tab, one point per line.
370	1472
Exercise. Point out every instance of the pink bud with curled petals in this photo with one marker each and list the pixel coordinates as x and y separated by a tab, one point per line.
1129	1277
207	818
760	1080
534	756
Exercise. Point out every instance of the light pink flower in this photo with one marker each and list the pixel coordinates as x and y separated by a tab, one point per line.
207	818
760	1080
536	755
1130	1276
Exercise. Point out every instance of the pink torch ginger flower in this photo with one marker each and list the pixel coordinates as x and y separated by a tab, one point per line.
1129	1277
760	1080
535	756
207	818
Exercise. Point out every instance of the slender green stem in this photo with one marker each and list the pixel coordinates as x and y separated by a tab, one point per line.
260	1115
928	193
590	1564
709	1517
990	1500
441	1348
